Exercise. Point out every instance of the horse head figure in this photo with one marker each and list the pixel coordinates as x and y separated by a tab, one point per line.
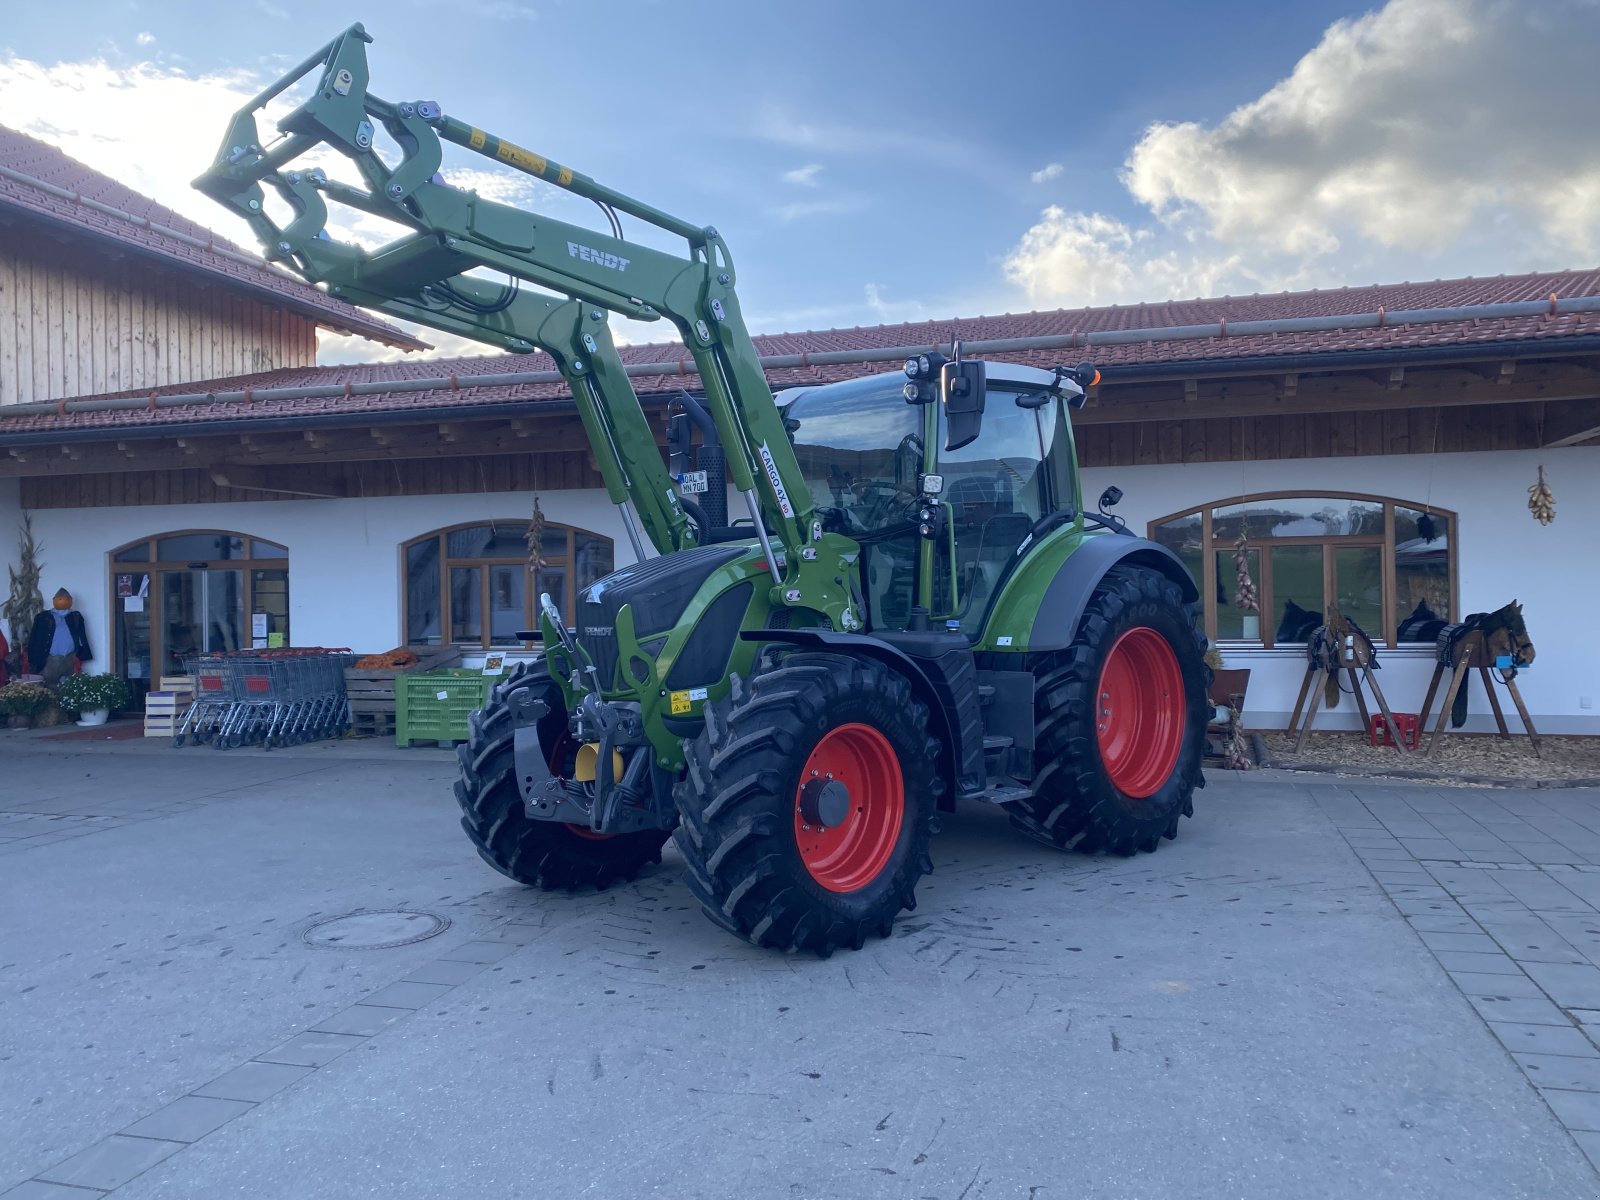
1486	638
1505	634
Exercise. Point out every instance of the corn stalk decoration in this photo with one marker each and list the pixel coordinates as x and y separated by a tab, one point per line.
1542	501
26	601
1245	596
535	539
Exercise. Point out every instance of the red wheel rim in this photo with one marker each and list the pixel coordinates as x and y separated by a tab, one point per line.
854	852
1139	712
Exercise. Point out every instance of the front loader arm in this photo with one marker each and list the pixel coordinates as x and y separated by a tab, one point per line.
423	277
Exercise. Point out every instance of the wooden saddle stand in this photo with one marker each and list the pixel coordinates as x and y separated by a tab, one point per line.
1338	646
1462	655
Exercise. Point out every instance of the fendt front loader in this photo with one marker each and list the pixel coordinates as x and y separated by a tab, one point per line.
917	610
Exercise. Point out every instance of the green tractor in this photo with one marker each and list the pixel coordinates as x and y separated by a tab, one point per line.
916	611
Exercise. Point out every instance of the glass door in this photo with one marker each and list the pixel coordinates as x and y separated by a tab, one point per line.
135	654
202	613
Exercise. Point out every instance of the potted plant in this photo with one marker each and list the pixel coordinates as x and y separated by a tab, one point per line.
93	697
21	702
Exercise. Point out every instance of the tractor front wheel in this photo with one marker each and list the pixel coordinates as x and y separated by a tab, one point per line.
808	802
545	854
1121	716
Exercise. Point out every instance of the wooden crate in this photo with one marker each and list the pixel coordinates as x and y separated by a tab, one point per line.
373	724
164	711
371	692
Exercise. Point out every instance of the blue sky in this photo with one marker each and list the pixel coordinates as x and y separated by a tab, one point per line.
888	161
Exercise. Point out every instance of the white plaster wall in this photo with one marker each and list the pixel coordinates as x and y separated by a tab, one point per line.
344	555
1554	570
345	573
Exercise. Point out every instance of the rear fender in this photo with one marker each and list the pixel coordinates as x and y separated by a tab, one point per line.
1045	597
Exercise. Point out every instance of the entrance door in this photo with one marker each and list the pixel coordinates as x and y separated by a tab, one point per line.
176	595
202	612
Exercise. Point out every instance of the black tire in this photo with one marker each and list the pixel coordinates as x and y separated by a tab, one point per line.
1076	801
737	804
546	854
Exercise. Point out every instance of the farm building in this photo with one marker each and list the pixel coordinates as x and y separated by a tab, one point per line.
1384	469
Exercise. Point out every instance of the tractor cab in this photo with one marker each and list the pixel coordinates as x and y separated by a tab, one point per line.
878	452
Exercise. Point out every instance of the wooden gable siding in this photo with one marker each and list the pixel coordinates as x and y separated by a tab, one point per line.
1313	435
413	477
76	322
1225	439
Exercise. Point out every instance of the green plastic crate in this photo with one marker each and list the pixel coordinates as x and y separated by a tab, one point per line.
433	706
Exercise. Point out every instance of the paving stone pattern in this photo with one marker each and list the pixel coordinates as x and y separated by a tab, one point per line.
1257	928
113	1161
1504	888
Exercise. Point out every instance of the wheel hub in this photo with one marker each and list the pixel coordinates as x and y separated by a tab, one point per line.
824	802
849	806
1140	711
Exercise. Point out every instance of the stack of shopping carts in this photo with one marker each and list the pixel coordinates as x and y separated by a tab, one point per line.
266	698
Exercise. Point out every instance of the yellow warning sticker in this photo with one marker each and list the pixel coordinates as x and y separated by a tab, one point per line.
680	703
477	139
518	157
564	176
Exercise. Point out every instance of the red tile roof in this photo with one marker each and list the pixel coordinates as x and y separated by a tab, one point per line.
1209	355
153	229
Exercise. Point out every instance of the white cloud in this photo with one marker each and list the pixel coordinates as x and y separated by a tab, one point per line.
805	176
1090	258
146	39
119	120
1431	137
803	209
1047	172
891	312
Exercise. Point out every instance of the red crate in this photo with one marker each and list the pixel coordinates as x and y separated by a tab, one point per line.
1379	734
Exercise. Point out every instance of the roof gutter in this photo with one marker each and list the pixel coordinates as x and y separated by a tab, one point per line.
378	330
1551	306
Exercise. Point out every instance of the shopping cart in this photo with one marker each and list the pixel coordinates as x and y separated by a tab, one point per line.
211	700
268	698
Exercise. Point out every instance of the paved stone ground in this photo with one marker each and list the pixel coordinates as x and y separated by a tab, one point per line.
1248	1012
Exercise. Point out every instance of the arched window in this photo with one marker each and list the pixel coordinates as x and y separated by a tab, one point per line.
194	591
471	585
1387	564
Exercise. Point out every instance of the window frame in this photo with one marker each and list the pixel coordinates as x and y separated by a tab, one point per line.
482	565
1209	549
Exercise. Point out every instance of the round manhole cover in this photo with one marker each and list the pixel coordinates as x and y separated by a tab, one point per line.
373	930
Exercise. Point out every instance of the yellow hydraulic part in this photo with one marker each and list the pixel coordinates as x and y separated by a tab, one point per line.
583	770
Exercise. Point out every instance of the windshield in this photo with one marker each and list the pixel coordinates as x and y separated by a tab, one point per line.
859	445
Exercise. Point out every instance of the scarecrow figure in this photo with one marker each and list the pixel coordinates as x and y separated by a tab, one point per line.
58	645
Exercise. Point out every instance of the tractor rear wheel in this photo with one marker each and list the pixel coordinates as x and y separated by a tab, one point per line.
808	802
545	854
1121	716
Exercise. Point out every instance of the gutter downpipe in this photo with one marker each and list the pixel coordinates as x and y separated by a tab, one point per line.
1553	306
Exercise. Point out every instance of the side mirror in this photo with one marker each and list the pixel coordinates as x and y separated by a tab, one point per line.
964	389
680	443
1110	498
